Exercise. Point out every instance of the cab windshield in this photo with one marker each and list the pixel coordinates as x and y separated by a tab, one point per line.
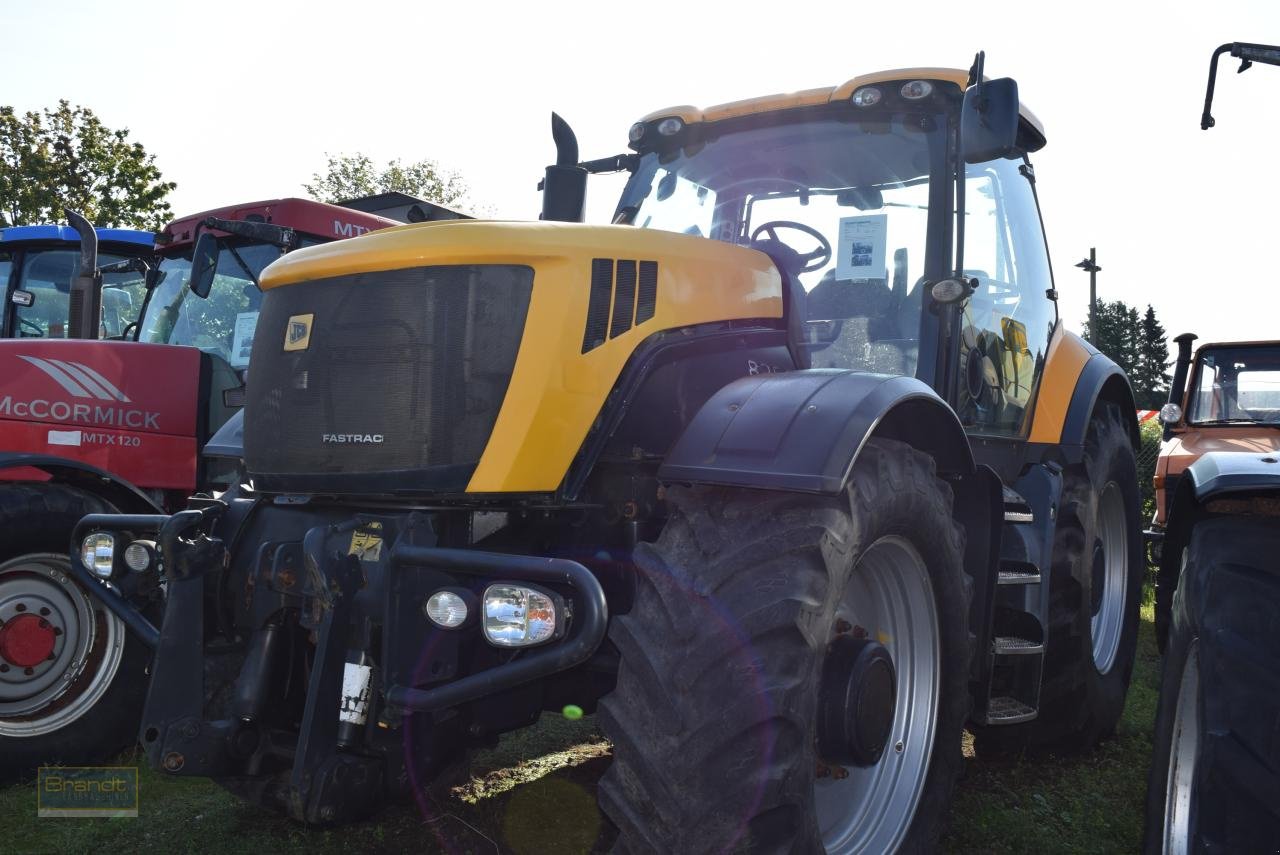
1236	385
841	206
221	324
47	274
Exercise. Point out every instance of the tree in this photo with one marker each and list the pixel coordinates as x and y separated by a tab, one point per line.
1150	381
1137	344
347	176
66	157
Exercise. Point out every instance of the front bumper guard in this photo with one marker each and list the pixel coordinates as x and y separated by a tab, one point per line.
324	785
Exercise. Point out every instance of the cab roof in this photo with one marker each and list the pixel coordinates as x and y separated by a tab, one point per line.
304	215
822	95
66	234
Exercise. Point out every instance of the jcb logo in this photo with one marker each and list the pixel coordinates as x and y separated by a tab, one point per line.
297	332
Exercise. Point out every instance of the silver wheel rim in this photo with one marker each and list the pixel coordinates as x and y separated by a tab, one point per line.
1107	623
86	652
1184	751
890	595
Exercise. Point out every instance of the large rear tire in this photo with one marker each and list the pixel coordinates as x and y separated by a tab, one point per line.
743	606
82	700
1095	591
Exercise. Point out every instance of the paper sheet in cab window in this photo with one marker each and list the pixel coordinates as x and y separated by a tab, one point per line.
861	247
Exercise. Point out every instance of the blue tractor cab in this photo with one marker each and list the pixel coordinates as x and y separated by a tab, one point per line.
39	267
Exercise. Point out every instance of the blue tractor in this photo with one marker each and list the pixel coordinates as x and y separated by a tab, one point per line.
50	276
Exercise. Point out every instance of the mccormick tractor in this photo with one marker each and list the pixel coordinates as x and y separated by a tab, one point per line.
787	474
39	268
99	426
1214	784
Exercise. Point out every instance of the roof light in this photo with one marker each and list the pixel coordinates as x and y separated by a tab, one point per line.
867	96
637	132
670	126
917	89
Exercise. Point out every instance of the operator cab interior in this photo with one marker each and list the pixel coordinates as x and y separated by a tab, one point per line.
840	206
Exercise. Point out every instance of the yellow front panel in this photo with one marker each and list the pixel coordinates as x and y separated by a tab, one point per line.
1067	355
556	390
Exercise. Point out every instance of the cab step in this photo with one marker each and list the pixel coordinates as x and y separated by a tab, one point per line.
1010	645
1016	508
1005	710
1018	573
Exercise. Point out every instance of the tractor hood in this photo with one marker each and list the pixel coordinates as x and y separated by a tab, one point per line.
129	408
469	356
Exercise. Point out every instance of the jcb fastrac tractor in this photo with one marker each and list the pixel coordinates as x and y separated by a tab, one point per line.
789	473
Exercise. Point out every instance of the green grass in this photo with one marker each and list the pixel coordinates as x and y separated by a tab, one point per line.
535	793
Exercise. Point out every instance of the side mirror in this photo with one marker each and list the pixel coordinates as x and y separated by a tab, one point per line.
989	120
204	263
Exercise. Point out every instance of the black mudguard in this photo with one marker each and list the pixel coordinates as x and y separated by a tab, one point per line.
802	430
1101	379
120	493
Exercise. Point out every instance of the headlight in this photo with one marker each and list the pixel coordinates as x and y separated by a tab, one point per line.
139	555
516	616
447	609
98	552
1170	414
637	132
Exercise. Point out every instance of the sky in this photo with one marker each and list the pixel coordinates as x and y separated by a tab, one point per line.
242	101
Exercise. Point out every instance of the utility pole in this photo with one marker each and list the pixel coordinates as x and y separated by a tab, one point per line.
1091	264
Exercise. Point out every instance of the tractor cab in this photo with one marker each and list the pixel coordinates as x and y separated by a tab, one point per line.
851	192
38	265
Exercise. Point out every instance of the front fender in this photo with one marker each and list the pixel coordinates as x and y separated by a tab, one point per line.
120	493
802	430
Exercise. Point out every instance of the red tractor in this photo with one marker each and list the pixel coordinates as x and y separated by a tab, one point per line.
88	426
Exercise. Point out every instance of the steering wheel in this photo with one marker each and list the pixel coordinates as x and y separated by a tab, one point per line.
811	261
38	331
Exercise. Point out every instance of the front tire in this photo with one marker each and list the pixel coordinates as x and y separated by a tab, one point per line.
741	606
72	678
1214	771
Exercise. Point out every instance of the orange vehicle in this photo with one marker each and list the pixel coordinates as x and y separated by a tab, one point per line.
1232	403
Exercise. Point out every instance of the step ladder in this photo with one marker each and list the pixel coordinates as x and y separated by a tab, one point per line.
1020	614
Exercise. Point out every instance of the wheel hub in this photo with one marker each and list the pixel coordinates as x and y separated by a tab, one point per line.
856	702
26	641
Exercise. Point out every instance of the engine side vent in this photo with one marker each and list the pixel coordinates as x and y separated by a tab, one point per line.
615	299
647	300
624	298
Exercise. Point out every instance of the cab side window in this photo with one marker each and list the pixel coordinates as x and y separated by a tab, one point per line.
1007	323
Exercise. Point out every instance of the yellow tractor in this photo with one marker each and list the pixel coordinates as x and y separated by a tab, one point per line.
788	474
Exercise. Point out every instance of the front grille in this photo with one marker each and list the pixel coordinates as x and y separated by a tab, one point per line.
395	386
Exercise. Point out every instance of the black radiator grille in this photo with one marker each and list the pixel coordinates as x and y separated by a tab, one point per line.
398	386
